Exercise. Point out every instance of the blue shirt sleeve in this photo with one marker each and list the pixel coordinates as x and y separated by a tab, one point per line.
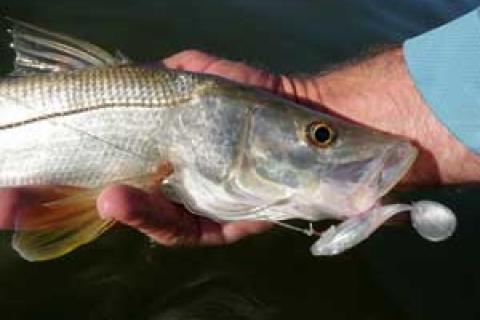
445	66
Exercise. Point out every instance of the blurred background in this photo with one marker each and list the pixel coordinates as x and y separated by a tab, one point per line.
393	275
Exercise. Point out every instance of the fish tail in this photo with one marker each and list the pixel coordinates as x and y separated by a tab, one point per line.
55	228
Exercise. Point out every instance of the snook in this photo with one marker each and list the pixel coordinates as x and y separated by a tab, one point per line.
73	115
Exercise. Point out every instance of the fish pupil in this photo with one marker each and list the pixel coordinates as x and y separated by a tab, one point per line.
322	135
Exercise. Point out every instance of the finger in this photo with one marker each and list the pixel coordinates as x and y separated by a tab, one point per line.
197	61
190	60
234	231
125	204
167	223
14	200
152	214
133	207
10	200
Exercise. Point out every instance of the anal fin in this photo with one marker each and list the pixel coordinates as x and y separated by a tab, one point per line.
52	229
68	218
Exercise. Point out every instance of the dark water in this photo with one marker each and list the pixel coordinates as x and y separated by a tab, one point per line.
394	275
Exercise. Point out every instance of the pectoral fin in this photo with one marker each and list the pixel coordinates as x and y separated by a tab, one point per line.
53	229
41	51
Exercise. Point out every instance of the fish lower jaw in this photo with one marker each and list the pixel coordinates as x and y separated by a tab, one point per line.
376	204
372	191
388	178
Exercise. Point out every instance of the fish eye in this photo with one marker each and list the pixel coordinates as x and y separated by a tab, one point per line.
320	134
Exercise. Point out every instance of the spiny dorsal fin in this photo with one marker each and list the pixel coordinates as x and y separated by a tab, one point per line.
42	51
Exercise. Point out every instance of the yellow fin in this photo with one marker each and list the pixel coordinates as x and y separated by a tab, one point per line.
55	228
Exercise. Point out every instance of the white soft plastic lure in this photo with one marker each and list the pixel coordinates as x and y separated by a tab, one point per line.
73	115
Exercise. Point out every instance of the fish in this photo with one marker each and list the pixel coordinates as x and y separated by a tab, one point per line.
75	118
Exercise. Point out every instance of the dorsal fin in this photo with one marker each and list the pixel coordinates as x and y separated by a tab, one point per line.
42	51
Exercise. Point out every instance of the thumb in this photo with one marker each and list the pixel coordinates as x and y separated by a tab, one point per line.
152	215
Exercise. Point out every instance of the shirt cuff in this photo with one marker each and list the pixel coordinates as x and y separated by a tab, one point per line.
445	66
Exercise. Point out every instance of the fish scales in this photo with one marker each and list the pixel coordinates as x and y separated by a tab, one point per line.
109	123
125	86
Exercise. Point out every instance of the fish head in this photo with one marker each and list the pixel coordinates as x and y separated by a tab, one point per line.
320	165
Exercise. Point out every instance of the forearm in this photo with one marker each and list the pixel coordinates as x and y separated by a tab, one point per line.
378	92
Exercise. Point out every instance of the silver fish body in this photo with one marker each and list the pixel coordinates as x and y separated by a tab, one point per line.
71	114
238	152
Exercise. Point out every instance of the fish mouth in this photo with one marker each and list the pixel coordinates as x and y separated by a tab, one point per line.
395	163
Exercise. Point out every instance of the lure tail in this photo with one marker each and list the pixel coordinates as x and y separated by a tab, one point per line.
432	220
